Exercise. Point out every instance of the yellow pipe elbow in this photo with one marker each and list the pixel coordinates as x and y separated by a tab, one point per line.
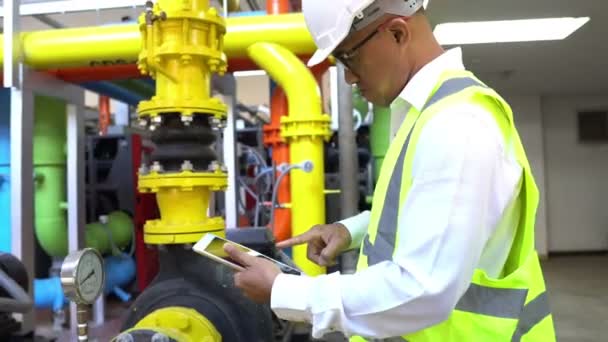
287	30
293	76
305	129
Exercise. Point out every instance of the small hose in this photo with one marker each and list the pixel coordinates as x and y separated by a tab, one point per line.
22	302
275	192
257	155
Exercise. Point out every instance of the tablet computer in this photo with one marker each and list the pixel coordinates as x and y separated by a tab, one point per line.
212	246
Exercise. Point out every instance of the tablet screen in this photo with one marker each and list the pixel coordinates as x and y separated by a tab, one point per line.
216	247
213	245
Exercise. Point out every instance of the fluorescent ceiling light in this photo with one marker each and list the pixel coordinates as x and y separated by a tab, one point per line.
525	30
66	6
249	73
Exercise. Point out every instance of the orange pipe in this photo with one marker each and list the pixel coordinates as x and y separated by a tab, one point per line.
272	138
277	6
104	114
280	155
319	70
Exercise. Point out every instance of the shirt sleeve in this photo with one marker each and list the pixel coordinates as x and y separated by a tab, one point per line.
442	233
357	227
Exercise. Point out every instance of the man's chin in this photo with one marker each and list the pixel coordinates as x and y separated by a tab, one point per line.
376	101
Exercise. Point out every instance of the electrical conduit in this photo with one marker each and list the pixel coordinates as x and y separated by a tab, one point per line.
304	129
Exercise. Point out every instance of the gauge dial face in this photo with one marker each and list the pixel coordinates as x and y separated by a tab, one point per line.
89	277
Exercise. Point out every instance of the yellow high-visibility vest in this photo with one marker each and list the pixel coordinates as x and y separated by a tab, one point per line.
513	307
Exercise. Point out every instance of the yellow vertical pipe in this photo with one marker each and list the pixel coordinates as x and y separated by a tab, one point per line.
304	129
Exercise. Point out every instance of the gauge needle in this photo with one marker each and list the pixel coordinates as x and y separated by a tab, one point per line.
88	276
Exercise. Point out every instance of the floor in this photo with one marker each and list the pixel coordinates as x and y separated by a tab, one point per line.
578	292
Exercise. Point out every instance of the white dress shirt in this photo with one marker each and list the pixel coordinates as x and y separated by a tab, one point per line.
463	179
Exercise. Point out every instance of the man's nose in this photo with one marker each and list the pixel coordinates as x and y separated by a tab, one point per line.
350	77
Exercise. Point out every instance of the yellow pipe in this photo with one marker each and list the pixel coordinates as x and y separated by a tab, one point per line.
304	130
121	44
182	48
180	324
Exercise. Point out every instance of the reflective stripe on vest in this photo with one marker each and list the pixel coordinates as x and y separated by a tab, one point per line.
489	301
384	245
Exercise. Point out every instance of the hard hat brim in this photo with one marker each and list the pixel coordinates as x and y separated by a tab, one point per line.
319	56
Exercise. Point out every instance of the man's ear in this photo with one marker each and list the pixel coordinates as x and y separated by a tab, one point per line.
400	30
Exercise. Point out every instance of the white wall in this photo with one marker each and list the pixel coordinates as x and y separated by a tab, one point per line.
577	177
528	120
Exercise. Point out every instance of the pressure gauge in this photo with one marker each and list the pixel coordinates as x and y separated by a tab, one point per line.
82	276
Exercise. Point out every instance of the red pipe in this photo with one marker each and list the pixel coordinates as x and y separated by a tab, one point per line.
127	71
104	114
97	73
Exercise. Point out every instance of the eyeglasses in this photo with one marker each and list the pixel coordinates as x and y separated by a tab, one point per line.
348	57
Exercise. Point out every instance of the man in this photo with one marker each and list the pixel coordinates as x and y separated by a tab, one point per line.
447	252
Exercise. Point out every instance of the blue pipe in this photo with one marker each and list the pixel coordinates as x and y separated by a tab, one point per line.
5	171
114	91
247	14
148	81
120	271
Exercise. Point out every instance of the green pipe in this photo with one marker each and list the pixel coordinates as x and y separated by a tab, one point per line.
379	130
50	174
360	103
50	179
379	136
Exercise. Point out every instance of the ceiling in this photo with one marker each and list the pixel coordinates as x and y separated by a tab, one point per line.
577	65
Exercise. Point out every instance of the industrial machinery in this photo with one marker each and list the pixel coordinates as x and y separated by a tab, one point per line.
191	299
288	174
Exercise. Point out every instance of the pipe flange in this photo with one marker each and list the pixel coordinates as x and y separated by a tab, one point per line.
157	107
295	128
185	181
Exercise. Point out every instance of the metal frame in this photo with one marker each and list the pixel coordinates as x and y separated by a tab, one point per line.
22	183
22	187
11	43
42	84
226	85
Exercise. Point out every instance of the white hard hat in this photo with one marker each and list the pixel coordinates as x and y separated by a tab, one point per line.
330	21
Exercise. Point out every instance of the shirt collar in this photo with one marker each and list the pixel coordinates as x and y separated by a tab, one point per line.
419	88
